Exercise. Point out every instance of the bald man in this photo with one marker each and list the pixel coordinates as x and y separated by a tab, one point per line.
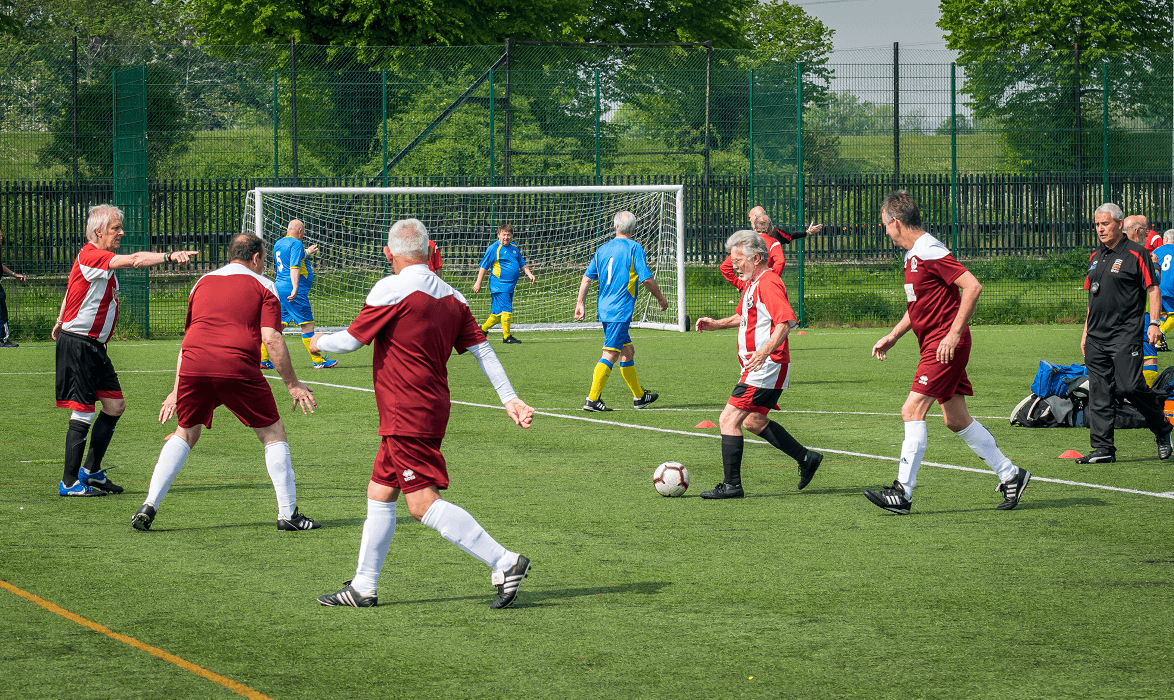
1137	229
293	280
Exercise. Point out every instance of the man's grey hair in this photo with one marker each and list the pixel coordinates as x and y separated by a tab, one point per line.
625	222
99	219
408	238
1168	236
750	242
763	224
1112	209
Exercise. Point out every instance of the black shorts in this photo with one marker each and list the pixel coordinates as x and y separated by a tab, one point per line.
84	373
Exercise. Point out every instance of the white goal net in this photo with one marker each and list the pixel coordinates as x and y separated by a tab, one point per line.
557	228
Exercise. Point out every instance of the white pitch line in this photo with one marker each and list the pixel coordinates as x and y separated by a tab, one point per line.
885	458
121	371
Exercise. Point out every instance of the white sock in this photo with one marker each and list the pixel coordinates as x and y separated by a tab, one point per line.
171	459
912	450
979	439
378	529
457	526
281	473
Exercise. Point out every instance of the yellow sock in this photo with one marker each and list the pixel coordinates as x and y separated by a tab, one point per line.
505	324
628	372
489	323
318	359
1149	369
264	353
1167	323
599	379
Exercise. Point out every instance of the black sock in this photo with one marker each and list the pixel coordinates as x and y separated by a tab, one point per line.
778	436
75	448
732	458
103	433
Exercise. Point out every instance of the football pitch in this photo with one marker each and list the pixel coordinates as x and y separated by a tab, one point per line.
785	594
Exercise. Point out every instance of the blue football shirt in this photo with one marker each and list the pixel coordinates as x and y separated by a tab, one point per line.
1165	255
505	265
289	252
619	266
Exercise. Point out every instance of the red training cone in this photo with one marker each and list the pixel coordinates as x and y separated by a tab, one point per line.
705	424
801	333
1069	454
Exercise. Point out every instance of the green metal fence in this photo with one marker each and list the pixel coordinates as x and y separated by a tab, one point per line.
1007	159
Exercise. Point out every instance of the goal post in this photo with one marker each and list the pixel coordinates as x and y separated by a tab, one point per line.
557	228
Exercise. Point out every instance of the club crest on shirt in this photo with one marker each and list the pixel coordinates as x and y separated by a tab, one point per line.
1093	266
913	264
1116	265
749	300
408	475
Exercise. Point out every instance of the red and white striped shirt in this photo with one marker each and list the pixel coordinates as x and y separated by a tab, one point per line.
91	297
763	307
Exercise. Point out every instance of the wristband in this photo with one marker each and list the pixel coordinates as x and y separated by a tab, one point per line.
1155	323
167	257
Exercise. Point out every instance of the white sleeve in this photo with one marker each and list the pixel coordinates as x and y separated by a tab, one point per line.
491	366
339	343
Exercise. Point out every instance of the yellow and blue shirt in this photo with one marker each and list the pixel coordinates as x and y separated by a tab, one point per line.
287	253
619	266
505	263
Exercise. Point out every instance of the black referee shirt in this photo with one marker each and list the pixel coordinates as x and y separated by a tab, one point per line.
1117	280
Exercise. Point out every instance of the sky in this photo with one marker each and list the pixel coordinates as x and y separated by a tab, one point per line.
873	25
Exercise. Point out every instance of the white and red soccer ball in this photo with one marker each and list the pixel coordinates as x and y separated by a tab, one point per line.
671	479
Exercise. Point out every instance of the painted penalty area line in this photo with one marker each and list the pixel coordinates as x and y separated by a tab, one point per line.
226	682
886	458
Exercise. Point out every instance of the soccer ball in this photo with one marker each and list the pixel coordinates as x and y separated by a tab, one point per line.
671	479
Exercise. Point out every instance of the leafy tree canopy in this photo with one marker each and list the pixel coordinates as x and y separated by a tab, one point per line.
467	22
1048	29
117	21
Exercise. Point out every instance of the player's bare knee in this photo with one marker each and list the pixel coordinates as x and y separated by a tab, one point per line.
113	407
272	433
628	353
755	423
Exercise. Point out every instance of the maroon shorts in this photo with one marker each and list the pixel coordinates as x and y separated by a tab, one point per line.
755	399
410	463
943	382
250	399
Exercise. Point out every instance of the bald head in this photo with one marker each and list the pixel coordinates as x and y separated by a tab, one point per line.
1134	226
755	213
296	229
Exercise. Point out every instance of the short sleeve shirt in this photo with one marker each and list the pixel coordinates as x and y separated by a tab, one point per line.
288	253
1121	276
434	261
505	263
1153	240
1165	265
91	296
931	295
619	266
415	320
763	307
227	309
775	259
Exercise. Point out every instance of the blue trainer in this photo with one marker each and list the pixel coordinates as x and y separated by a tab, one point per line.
98	480
326	363
267	365
78	489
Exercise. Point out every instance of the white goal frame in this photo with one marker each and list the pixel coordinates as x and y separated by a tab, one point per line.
260	194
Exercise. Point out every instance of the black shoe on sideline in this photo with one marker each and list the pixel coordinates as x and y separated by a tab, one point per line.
724	490
1102	456
1166	444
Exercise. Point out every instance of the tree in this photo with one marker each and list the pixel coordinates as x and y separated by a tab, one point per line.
169	126
1034	66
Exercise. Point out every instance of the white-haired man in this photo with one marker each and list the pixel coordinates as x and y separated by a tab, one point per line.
415	320
617	265
940	295
1121	278
764	319
85	374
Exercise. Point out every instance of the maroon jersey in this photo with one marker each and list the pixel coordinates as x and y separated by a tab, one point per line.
930	290
91	297
226	310
415	321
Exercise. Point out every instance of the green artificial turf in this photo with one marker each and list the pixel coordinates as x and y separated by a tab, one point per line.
812	594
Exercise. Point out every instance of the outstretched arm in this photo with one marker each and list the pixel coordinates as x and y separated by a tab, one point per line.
487	360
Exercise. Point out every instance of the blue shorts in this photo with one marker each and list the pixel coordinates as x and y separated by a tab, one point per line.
296	312
615	335
503	302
